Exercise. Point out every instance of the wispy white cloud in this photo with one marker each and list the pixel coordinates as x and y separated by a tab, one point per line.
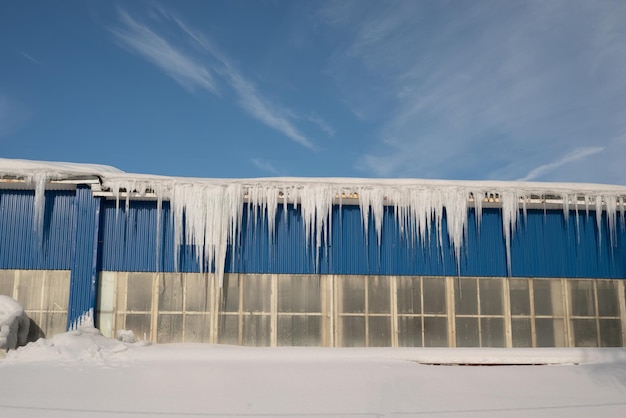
573	156
30	58
482	89
183	68
195	62
265	166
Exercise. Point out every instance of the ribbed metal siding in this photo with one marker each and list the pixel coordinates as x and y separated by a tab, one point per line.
23	248
549	246
83	276
544	245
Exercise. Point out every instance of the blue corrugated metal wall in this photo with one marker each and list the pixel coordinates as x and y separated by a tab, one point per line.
84	269
23	248
544	245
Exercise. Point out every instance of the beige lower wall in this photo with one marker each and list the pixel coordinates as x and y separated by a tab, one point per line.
364	311
44	294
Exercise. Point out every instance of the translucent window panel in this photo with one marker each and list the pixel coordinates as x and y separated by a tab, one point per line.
230	293
352	294
435	332
352	331
197	328
610	333
170	328
547	297
7	278
139	324
584	332
521	332
228	329
55	323
299	330
139	292
520	296
378	294
256	330
379	331
197	292
409	296
492	332
467	334
608	301
582	299
434	295
465	296
490	296
171	292
257	291
299	294
409	331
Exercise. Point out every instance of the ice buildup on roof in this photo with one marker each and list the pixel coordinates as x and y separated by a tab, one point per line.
213	208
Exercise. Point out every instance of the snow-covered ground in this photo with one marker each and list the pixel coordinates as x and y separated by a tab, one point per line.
82	374
14	324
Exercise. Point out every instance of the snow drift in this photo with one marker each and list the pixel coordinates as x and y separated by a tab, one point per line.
14	324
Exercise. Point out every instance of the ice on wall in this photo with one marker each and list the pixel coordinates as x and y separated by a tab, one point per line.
210	211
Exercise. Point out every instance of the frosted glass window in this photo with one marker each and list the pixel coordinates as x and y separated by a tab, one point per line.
582	298
492	332
520	297
465	295
299	294
379	331
467	334
139	324
547	297
256	330
409	297
171	292
490	296
610	333
197	328
352	294
434	295
257	291
298	330
409	331
230	294
378	296
139	295
228	329
608	303
170	328
353	331
521	332
584	332
435	332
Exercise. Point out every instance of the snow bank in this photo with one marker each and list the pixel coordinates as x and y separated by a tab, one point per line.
85	344
14	324
209	211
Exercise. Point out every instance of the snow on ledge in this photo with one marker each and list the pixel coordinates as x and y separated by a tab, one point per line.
212	209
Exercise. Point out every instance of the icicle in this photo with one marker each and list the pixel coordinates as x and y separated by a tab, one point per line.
39	181
598	202
510	209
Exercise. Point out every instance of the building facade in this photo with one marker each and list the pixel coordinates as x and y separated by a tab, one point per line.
316	263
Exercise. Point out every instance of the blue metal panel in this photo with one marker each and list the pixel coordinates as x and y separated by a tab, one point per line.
544	245
83	276
547	245
23	248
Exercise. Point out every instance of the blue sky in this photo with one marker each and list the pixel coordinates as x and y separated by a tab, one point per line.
502	90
